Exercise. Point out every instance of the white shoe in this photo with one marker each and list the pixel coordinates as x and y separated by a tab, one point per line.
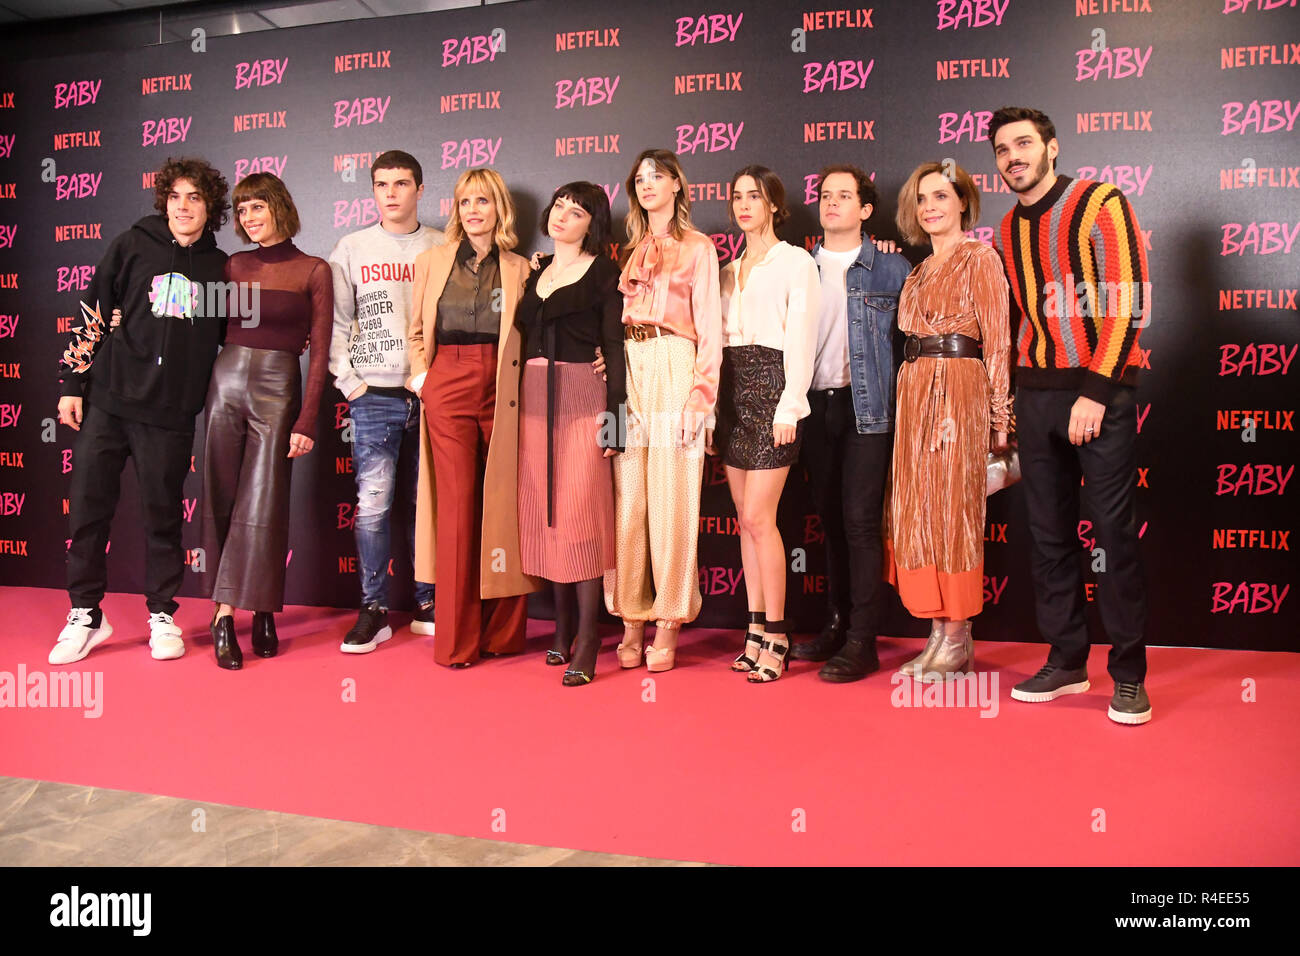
165	640
78	638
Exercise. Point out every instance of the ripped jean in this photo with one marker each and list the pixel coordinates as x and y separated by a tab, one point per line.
386	459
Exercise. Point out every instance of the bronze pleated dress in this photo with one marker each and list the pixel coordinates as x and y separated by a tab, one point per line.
934	512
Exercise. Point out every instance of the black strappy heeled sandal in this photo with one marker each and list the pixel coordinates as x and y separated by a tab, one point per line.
746	662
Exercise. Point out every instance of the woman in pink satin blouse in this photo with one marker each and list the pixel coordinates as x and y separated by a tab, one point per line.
672	325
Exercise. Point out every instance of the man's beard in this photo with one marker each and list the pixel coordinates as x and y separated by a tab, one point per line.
1040	173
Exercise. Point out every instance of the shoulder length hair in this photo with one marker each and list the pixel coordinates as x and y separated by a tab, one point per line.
638	220
593	200
908	223
486	182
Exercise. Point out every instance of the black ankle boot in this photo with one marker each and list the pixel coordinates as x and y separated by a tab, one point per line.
826	644
265	641
856	659
225	643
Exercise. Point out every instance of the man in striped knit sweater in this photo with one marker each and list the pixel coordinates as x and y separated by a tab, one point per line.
1078	273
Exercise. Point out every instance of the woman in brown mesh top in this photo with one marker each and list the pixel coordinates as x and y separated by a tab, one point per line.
258	419
953	407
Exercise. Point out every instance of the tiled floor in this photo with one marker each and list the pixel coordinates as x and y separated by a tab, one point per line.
56	824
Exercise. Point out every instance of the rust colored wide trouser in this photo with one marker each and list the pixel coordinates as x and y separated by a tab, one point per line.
459	397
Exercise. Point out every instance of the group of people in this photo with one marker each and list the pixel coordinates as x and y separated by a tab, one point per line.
549	419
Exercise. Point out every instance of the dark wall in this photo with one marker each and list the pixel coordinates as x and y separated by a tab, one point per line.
1189	108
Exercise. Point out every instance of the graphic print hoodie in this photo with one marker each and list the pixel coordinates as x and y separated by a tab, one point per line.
154	367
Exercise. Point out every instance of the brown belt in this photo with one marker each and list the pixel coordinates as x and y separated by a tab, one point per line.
952	345
641	333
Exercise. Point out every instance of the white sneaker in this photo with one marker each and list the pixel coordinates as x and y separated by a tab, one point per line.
78	638
165	640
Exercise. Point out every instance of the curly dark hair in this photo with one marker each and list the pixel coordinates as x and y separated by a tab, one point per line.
211	184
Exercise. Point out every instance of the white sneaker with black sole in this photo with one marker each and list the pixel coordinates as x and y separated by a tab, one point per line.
165	641
369	632
80	635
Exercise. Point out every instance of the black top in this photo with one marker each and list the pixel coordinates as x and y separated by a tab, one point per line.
469	309
154	367
569	324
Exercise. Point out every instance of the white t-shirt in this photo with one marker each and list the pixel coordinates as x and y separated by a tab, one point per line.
831	368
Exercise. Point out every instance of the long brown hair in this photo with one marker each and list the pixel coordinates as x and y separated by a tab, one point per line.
638	220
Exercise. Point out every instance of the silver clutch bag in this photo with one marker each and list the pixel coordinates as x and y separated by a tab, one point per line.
1003	470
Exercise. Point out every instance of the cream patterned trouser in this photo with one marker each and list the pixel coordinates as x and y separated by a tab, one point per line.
657	490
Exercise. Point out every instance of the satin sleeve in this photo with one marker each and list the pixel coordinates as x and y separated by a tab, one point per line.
706	316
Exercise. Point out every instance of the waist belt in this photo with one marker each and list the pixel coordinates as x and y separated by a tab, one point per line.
643	332
952	345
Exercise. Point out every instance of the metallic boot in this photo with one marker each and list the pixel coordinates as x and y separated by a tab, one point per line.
955	655
916	664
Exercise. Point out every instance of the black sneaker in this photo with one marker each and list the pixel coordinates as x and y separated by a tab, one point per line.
1050	683
369	632
1130	704
422	620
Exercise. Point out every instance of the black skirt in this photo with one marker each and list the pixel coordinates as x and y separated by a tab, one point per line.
752	380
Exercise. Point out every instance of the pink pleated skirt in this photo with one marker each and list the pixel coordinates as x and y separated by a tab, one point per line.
578	544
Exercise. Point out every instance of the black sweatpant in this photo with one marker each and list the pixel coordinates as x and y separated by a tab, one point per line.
162	460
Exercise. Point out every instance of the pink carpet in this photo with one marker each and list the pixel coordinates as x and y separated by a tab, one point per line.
695	765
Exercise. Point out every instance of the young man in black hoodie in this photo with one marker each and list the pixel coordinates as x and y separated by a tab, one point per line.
134	389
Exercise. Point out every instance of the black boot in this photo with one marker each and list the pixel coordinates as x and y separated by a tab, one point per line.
826	644
856	659
265	641
225	643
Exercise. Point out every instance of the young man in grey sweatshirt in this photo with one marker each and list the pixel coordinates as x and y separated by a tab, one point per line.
373	269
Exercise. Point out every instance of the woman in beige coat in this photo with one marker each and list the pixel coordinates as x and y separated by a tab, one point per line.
464	351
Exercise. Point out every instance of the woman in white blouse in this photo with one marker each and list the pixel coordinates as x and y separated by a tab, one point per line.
770	301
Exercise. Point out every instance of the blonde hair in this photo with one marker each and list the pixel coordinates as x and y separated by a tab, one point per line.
489	183
909	226
638	220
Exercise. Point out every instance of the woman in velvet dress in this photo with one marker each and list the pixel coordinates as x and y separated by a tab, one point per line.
258	419
953	408
570	420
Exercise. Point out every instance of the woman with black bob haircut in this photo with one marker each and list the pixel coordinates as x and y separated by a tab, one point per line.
571	421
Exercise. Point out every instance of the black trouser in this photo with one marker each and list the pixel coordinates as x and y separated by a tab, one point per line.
847	474
162	460
1051	468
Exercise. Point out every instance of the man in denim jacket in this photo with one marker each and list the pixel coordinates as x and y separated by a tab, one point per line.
849	437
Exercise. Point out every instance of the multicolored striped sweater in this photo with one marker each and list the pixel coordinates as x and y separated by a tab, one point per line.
1078	273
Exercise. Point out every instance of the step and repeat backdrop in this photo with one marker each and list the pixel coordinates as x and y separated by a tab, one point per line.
1189	106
